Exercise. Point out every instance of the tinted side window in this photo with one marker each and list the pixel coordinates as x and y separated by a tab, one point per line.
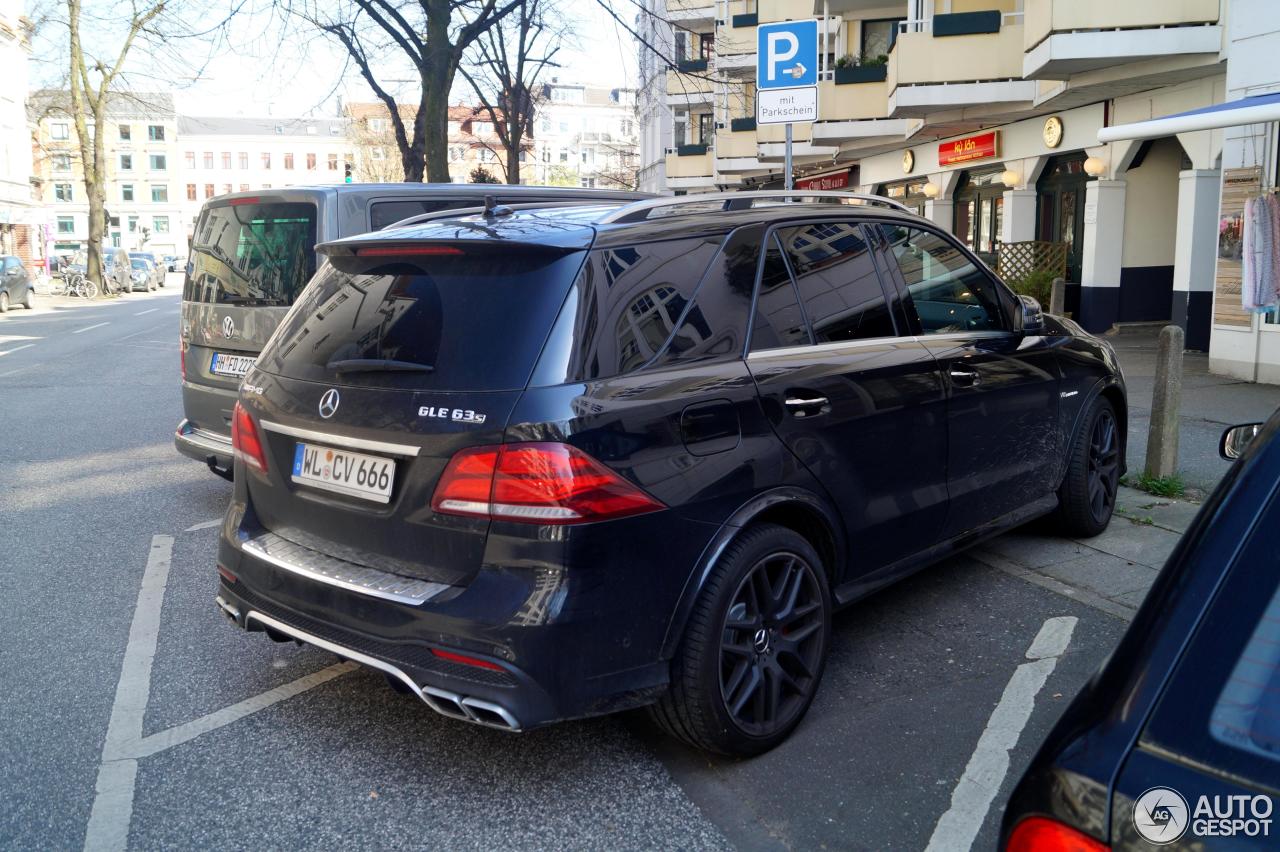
778	321
384	213
949	293
252	253
837	281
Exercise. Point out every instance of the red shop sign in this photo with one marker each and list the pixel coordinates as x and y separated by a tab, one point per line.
837	180
979	147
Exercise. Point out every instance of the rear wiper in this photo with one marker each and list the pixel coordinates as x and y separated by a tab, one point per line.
377	365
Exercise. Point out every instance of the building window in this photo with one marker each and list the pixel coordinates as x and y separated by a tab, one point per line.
564	156
158	163
487	156
126	192
126	162
244	160
190	159
62	191
334	130
333	162
160	224
133	224
160	193
311	162
377	125
66	225
226	187
191	192
878	37
62	162
377	154
244	187
126	132
208	190
58	130
155	132
208	159
288	161
266	160
226	159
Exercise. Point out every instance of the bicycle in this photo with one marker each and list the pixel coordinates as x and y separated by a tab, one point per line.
73	284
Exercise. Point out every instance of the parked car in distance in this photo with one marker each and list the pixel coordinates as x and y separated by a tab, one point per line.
143	276
154	266
171	262
1176	741
542	464
16	286
117	270
251	255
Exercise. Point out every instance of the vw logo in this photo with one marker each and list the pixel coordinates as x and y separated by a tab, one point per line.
329	403
228	327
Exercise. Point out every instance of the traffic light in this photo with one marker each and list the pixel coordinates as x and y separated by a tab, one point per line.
346	167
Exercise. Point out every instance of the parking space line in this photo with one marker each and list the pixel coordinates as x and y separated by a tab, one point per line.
90	327
978	786
144	313
17	349
203	525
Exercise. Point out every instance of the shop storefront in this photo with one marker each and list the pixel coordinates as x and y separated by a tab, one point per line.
1060	194
908	192
978	217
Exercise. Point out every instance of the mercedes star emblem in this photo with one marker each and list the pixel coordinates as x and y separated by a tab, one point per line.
329	403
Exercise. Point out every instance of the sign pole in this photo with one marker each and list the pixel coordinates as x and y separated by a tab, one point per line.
788	184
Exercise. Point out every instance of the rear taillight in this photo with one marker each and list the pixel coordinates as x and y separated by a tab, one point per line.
536	483
407	251
465	660
1041	834
182	357
245	440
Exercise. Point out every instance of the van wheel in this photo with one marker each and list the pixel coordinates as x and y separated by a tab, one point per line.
4	302
29	300
1087	496
753	653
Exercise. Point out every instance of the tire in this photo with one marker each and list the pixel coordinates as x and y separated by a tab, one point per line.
90	289
1087	496
4	302
718	665
29	300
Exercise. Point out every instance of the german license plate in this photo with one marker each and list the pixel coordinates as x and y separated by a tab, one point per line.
231	365
353	474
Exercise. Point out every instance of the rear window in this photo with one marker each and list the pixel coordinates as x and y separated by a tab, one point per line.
477	321
252	254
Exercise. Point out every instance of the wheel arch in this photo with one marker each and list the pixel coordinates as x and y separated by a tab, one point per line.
1110	389
794	508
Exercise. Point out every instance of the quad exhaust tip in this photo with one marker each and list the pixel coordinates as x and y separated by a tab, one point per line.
461	707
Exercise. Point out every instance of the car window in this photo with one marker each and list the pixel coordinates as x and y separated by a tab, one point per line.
778	321
945	289
837	282
252	253
384	213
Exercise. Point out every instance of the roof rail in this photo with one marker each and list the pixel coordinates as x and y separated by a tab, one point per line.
638	211
455	212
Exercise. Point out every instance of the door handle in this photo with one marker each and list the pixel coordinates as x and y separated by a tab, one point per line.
804	406
965	377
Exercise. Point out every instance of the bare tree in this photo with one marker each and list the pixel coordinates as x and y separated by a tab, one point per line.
428	37
370	133
505	65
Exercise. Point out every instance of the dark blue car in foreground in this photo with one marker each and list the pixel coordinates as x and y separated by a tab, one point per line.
1175	743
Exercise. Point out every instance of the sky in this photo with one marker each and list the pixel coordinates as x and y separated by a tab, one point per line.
256	74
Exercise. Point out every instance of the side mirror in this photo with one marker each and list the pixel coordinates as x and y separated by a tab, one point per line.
1237	439
1032	315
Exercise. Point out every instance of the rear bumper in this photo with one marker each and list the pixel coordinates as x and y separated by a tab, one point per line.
203	445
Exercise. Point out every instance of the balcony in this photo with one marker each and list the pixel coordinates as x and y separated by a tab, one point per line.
1065	37
692	14
771	144
736	149
736	40
964	60
856	115
690	167
692	88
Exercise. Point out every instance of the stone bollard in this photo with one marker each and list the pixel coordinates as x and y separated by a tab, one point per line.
1058	298
1166	399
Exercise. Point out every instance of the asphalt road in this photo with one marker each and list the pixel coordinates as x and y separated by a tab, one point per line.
95	505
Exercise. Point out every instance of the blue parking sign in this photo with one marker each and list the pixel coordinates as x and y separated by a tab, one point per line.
787	54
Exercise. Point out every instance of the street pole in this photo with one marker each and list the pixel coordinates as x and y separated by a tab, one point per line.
787	183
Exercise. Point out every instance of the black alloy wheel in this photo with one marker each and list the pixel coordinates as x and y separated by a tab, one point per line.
1104	466
1087	496
771	647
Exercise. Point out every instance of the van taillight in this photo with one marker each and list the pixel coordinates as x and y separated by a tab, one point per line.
536	483
182	357
245	440
1041	834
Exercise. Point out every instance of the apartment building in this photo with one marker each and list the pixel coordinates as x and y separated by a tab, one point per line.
220	155
983	115
21	220
656	45
474	143
141	172
586	135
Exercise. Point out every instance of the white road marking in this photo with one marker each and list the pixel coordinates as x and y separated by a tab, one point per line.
12	372
143	313
16	349
90	327
978	786
203	525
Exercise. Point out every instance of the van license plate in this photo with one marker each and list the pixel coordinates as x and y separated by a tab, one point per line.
353	474
231	365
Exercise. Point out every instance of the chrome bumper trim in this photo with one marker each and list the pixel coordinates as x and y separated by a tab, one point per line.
314	565
341	440
208	441
440	700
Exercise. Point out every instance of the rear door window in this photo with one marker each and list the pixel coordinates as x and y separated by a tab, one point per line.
837	281
778	321
945	289
472	322
252	254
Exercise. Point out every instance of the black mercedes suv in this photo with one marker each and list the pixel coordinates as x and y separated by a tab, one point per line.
544	464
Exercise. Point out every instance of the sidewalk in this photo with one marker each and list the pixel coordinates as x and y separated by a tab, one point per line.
1110	572
1209	405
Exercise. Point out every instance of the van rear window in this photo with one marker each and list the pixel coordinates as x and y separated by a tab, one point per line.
475	322
252	254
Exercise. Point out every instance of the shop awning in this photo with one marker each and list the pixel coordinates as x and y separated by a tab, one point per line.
1253	110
